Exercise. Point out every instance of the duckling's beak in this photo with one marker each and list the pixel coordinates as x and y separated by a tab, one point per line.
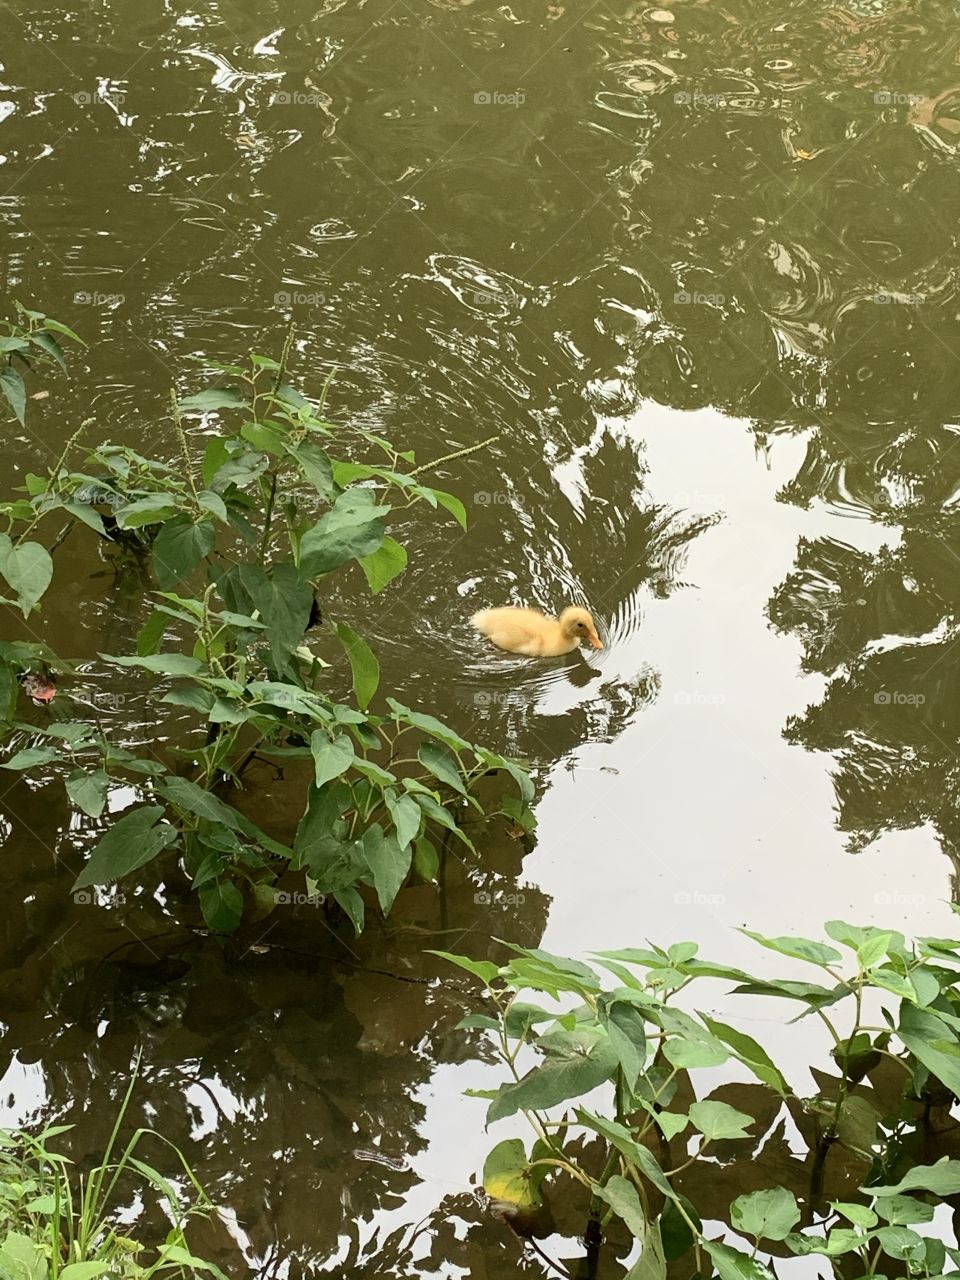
596	641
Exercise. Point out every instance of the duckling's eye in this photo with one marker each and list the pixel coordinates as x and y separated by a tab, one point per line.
581	626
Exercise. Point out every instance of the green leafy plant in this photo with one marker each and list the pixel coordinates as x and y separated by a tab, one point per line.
647	1157
242	545
32	336
56	1224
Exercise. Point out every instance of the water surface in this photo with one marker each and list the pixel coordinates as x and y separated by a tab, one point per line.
695	268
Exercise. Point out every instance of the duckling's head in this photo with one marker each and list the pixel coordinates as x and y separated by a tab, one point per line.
577	624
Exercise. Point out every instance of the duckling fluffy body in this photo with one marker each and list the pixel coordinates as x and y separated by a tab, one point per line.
529	632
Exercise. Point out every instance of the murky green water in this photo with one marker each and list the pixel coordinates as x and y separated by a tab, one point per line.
696	268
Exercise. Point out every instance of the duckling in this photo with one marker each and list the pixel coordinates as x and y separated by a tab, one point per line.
529	632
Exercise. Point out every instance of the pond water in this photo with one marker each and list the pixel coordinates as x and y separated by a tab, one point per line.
695	269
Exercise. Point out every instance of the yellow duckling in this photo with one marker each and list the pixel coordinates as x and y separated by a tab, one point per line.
528	632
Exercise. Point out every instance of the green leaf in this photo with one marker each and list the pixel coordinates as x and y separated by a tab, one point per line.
618	1136
191	798
731	1264
555	1081
923	1033
442	764
685	1054
352	903
901	1242
48	344
926	986
153	509
897	1209
315	465
211	399
453	505
873	949
213	503
389	864
627	1032
85	1270
407	816
942	1178
216	455
131	842
429	725
798	948
15	392
352	527
751	1054
167	664
284	600
384	564
222	905
652	1263
858	1214
331	758
27	568
770	1214
507	1176
151	633
485	970
29	758
719	1120
363	664
621	1195
179	547
438	813
88	791
289	697
426	860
